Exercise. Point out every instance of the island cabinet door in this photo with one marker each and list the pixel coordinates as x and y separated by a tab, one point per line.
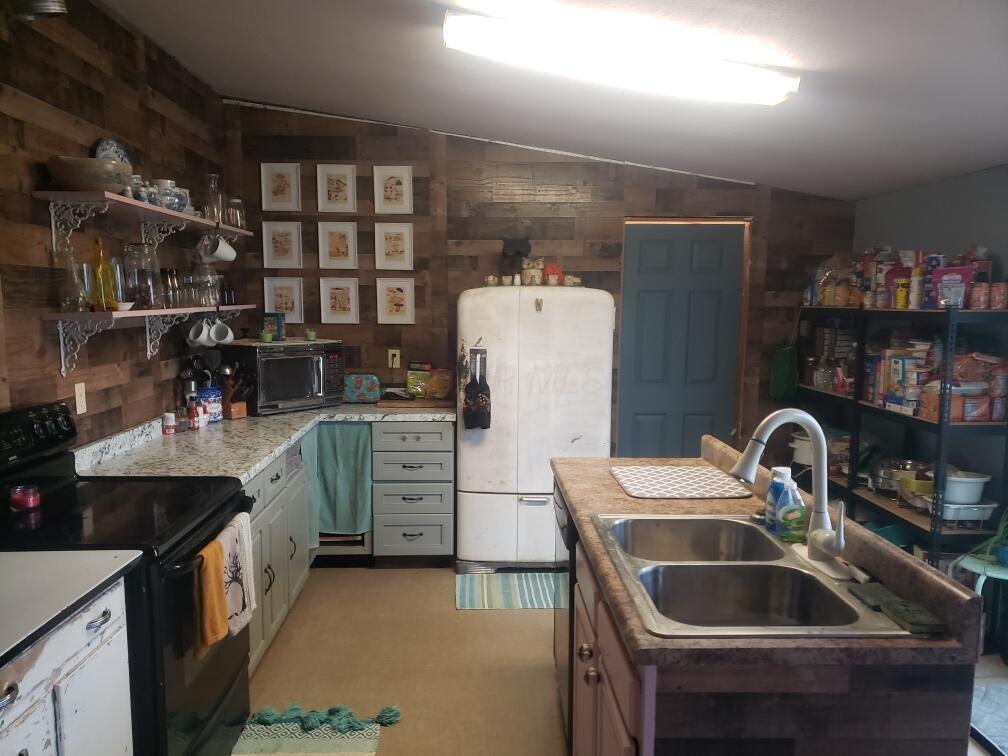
93	711
612	738
584	738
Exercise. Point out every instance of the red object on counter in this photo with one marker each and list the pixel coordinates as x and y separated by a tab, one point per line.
23	498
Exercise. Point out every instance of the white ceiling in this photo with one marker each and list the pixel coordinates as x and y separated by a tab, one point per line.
893	92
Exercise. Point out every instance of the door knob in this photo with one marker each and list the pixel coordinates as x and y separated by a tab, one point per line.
585	652
591	677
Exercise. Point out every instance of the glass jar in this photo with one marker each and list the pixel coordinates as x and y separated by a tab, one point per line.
143	276
235	213
213	199
206	280
73	293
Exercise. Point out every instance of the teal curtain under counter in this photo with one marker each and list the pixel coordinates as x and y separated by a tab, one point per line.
338	458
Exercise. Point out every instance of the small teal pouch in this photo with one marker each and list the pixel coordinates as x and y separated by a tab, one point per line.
362	388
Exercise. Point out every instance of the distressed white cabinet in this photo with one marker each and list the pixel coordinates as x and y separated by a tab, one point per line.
280	553
69	693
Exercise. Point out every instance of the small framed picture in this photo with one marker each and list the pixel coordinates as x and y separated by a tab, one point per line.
393	189
337	188
273	322
281	244
340	300
284	295
393	246
281	186
337	245
395	301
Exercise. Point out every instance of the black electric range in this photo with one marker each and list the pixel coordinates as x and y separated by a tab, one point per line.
181	704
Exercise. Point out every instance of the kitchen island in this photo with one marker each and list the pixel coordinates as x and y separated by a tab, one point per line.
765	695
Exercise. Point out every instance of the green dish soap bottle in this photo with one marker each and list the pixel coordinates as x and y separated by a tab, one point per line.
791	515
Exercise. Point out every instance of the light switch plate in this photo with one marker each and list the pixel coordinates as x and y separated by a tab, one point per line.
394	358
80	399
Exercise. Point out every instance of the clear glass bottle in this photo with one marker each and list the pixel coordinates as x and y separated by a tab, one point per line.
213	199
143	276
103	293
73	293
236	212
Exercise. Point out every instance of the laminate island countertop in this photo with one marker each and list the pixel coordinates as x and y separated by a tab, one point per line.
589	488
40	588
235	448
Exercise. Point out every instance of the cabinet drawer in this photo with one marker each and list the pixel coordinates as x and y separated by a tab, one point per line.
34	734
400	535
396	436
35	669
413	498
256	490
418	466
275	478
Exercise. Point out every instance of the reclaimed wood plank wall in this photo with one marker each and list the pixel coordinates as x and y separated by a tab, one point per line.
65	83
469	194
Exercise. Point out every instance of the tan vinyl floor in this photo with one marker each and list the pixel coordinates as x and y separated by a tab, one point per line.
471	683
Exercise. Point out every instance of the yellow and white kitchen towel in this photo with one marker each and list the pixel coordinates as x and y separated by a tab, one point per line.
239	588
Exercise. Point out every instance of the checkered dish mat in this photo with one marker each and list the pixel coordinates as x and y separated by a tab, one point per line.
678	482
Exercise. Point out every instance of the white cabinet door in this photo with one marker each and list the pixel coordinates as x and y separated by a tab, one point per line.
487	526
93	703
488	459
34	733
257	624
297	536
278	595
536	529
565	387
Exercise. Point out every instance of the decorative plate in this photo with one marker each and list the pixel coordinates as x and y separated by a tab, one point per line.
109	149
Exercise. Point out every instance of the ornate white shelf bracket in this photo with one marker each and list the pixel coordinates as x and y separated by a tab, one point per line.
230	238
228	314
156	327
74	334
67	217
155	233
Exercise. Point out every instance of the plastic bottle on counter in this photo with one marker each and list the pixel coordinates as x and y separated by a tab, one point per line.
779	478
791	515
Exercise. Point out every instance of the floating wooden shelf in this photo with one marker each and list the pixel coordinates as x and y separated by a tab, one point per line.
69	210
76	328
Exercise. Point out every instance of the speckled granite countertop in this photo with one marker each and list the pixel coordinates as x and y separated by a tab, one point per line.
589	488
236	448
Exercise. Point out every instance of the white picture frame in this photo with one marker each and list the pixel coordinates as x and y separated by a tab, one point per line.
281	241
396	301
337	188
339	299
284	295
337	245
281	186
393	189
393	246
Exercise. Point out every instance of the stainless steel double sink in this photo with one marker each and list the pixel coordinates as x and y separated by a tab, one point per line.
727	576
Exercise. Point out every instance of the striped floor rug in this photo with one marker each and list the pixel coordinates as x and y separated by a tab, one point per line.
508	590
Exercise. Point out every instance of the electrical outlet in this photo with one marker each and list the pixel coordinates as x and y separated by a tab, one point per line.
80	399
393	358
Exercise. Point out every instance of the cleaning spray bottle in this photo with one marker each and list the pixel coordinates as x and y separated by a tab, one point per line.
791	515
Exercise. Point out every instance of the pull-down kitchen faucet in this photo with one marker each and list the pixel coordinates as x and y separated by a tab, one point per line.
823	542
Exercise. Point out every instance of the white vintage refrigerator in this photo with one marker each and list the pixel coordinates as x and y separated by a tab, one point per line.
549	356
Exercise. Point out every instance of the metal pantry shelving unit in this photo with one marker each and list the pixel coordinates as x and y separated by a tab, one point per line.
932	528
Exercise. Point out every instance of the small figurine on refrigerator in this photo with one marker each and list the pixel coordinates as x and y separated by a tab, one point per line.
532	272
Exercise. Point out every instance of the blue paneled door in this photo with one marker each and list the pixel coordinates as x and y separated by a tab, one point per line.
682	291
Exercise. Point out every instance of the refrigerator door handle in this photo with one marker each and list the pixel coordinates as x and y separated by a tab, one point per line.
534	501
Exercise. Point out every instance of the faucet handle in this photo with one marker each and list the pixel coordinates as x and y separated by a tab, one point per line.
841	512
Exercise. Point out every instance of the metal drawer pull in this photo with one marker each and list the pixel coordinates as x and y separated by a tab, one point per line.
9	697
270	575
591	677
294	544
412	467
99	621
585	652
412	536
417	438
275	478
402	438
535	501
412	499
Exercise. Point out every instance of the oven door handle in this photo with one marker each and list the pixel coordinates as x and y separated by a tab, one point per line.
183	568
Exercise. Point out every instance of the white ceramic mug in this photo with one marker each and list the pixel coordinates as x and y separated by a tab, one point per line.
216	249
220	333
199	334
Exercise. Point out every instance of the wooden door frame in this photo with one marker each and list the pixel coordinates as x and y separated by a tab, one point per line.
743	325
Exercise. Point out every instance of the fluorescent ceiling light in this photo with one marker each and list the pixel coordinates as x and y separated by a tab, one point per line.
624	51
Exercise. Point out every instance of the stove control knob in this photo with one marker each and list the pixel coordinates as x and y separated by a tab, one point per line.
38	430
50	427
64	422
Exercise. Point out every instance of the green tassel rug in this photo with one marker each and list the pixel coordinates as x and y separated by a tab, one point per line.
510	590
335	731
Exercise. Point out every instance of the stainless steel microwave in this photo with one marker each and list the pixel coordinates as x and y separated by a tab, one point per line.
288	375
